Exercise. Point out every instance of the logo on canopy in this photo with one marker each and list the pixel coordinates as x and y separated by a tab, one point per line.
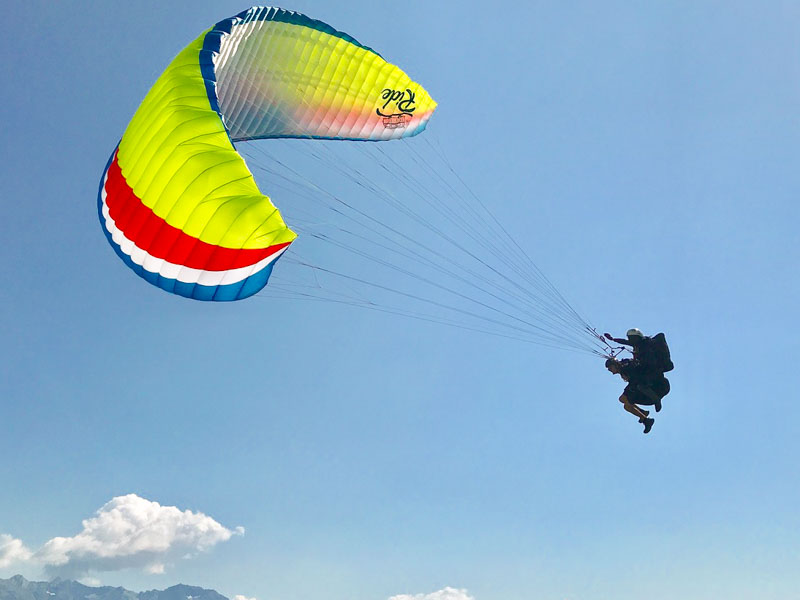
403	101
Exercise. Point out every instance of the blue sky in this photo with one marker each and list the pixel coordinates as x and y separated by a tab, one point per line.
645	156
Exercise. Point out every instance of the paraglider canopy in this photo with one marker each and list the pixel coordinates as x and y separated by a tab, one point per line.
177	201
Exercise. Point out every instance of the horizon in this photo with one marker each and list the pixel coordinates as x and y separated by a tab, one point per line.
58	578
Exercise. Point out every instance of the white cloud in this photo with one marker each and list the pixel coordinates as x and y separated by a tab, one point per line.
12	551
240	597
132	532
156	568
447	593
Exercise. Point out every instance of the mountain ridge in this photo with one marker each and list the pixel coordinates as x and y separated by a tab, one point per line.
19	588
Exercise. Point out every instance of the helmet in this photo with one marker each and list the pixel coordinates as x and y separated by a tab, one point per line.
634	333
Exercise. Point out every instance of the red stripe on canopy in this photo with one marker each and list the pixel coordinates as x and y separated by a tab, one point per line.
158	238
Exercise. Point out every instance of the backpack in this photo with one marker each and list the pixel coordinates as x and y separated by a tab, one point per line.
659	352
